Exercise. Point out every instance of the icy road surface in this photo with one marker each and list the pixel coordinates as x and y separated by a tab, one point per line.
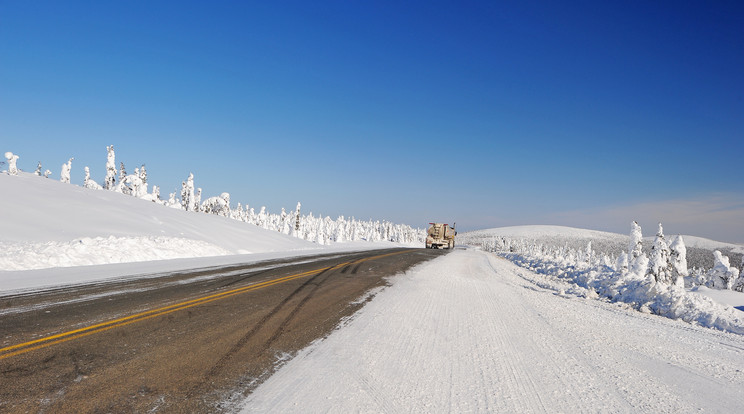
465	333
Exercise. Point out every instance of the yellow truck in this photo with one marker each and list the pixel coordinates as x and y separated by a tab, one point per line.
440	236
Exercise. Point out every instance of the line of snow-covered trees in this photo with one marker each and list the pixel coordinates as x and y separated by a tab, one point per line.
319	229
652	282
665	263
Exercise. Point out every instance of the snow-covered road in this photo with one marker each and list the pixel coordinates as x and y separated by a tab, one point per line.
467	333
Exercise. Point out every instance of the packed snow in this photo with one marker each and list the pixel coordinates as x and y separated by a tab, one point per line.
472	332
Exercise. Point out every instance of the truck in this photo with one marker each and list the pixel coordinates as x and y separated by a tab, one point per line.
440	236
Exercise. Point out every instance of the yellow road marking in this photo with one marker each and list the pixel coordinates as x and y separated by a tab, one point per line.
115	323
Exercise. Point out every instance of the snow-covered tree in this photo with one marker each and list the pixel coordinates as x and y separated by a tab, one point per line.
12	160
722	275
621	265
122	171
88	183
172	201
296	227
638	262
64	176
188	200
155	196
110	182
659	266
636	240
340	230
197	199
217	205
38	169
678	259
133	185
739	284
47	173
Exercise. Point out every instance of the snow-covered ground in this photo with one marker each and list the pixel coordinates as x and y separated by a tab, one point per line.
699	252
55	233
472	332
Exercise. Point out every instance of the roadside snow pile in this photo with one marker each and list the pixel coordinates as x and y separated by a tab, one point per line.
101	250
643	294
655	284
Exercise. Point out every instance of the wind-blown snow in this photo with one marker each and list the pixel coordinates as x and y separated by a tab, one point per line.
471	332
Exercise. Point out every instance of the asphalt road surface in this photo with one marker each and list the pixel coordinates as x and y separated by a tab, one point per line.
193	341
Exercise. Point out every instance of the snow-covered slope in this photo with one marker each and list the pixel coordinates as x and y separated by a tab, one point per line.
46	223
555	235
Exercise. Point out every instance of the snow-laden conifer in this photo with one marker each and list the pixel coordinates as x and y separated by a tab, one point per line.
340	230
296	226
635	248
12	160
64	176
659	266
678	259
87	182
38	169
197	199
621	265
188	199
722	275
109	182
638	262
122	173
739	284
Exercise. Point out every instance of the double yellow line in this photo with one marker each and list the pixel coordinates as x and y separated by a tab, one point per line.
47	341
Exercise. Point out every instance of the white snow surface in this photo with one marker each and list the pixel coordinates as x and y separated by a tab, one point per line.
472	332
47	226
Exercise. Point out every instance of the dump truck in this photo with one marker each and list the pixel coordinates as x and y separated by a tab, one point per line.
440	236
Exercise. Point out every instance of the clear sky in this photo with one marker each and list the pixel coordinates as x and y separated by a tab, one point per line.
487	114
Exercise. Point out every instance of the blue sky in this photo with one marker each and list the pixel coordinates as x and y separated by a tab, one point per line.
484	113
